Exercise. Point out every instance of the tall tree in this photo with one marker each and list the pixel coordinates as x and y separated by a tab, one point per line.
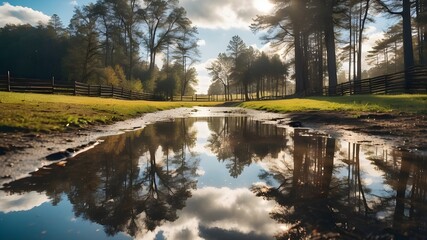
163	21
288	26
127	13
243	70
56	24
235	48
278	71
186	52
43	49
402	8
328	25
220	70
83	55
421	20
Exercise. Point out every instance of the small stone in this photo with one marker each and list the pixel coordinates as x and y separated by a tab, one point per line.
61	163
10	165
295	124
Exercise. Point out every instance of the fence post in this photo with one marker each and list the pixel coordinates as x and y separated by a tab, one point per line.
112	91
53	84
386	84
408	80
88	89
75	88
8	81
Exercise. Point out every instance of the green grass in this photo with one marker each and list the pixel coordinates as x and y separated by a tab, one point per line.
38	112
362	103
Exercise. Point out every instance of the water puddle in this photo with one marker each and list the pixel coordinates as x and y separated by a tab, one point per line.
221	178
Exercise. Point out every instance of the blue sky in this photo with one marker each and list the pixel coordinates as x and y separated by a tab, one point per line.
218	21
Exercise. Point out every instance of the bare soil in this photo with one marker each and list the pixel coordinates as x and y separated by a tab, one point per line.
22	153
402	130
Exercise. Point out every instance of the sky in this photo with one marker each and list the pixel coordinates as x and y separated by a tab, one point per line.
217	21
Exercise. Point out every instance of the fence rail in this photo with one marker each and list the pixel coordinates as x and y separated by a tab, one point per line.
13	84
413	80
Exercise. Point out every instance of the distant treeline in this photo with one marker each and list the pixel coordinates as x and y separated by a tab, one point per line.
110	43
320	38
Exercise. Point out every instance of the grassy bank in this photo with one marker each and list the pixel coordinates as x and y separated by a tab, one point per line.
362	103
38	112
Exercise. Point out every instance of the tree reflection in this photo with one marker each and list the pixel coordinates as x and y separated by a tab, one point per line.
239	141
323	188
319	200
132	182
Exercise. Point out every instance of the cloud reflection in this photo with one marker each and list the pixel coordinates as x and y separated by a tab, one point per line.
21	202
225	212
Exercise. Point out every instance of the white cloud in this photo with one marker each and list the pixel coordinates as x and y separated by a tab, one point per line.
223	211
372	34
74	3
201	42
203	76
224	14
20	15
200	172
21	202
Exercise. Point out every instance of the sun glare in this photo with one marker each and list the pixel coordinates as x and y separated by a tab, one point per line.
263	5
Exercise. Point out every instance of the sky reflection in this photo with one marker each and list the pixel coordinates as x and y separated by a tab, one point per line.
225	211
217	178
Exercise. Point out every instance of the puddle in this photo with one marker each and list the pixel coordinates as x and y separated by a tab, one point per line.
221	178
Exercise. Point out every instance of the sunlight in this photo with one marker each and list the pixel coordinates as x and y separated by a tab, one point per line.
264	6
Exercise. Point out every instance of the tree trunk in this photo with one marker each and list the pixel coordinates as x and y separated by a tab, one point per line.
359	53
330	48
407	35
300	82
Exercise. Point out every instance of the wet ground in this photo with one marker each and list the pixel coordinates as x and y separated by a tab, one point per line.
223	174
22	153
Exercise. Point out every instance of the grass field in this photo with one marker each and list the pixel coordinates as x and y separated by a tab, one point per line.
37	112
362	103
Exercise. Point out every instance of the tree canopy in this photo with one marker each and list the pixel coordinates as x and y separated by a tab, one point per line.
105	43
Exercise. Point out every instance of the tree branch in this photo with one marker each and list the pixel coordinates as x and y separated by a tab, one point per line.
388	9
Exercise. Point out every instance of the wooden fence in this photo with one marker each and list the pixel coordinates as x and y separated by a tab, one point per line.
12	84
196	98
413	80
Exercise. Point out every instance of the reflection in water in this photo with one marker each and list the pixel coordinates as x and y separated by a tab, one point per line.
125	176
329	190
240	141
151	183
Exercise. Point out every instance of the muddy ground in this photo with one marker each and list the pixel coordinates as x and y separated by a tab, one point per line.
22	153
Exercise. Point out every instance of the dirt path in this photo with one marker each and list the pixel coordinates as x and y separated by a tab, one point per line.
22	153
406	131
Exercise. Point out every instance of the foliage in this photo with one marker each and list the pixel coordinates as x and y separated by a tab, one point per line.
101	45
32	52
248	69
